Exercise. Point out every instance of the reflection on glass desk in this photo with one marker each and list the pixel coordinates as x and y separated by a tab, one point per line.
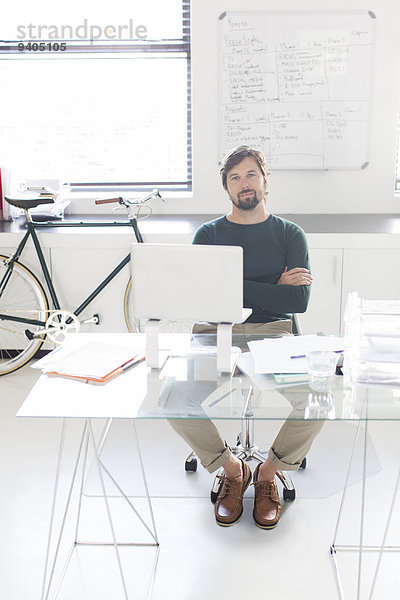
189	387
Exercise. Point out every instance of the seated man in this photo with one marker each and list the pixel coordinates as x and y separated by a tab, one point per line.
276	283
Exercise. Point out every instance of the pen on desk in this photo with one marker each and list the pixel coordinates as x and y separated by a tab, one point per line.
304	355
120	371
133	364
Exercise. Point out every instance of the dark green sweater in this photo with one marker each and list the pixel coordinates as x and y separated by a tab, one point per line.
267	248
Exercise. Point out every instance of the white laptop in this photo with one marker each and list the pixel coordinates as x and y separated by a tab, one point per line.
186	281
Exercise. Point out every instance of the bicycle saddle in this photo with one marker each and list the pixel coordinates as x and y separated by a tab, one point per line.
28	202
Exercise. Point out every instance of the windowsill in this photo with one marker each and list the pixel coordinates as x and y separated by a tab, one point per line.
154	225
170	224
82	203
76	194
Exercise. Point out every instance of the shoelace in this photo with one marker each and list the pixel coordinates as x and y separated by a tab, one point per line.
229	486
266	488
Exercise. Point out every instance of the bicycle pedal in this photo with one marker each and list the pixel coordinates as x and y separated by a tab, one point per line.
95	319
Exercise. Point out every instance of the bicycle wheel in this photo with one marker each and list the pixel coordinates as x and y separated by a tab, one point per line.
22	296
128	314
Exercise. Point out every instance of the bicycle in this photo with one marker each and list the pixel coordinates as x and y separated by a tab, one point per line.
26	318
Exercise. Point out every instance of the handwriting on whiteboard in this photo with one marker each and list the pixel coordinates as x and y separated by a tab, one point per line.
297	86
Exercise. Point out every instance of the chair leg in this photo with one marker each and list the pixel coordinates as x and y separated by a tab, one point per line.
216	485
258	455
289	492
240	452
248	452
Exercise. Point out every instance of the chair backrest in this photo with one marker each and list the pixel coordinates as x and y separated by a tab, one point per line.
297	330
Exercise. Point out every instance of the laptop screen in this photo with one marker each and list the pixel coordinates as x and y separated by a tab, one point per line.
186	281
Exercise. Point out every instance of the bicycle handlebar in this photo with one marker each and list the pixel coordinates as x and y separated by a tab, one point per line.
154	194
107	200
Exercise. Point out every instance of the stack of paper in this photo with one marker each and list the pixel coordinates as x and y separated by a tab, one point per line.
92	362
288	354
372	336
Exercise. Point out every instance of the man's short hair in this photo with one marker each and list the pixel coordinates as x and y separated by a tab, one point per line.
236	155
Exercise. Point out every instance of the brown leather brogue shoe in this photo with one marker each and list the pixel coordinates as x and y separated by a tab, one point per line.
229	504
267	506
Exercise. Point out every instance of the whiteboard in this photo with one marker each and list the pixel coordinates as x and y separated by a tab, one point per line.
297	86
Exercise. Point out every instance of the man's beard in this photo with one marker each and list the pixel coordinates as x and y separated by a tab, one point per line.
247	202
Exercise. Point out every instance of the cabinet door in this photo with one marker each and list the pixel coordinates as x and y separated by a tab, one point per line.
323	313
78	271
371	272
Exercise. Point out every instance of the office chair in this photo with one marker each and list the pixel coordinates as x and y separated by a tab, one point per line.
246	448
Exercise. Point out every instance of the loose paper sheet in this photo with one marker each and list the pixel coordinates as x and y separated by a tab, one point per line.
276	355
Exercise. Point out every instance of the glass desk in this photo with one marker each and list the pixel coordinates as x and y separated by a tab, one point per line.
189	387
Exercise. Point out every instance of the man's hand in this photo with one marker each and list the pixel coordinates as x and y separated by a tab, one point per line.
296	276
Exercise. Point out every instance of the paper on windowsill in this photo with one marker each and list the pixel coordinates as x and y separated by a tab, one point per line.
274	355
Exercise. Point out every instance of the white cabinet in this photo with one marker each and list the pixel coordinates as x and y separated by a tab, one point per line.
78	271
78	268
340	263
79	262
372	272
323	313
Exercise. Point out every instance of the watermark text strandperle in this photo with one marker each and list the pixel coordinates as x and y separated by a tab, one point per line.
84	31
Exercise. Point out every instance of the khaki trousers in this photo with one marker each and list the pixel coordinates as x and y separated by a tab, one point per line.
294	438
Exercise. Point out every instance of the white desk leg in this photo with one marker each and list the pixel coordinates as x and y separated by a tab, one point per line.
60	452
362	515
361	547
153	531
114	539
81	458
346	484
383	544
224	347
48	583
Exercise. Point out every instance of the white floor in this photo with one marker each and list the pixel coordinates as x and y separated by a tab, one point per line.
197	559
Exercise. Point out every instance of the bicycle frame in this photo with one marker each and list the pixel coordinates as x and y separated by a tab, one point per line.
31	232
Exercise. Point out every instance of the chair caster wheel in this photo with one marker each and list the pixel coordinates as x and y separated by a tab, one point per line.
289	495
303	463
191	465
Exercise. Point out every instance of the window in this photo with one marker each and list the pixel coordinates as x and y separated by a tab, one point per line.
112	109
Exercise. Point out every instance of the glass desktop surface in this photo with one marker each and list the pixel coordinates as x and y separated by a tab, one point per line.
189	387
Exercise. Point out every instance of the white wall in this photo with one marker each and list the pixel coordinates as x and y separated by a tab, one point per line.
360	191
367	191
